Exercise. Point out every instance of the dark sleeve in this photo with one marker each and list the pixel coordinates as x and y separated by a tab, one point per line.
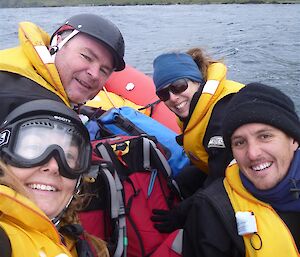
16	90
184	207
204	233
5	246
218	156
189	180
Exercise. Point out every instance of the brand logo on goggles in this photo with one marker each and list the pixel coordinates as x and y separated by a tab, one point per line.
4	137
62	118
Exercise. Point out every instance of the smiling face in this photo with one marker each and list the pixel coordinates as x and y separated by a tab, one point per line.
45	185
180	103
84	65
50	191
263	153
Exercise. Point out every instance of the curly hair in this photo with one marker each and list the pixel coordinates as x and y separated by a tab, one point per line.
202	60
78	204
7	178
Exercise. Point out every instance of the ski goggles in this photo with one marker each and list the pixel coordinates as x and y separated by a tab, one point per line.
176	88
34	142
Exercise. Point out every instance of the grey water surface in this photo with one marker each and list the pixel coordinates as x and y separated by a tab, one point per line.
258	43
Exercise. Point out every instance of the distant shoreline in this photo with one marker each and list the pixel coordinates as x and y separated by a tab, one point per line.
61	3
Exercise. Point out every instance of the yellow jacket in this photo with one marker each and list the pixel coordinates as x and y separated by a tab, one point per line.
216	87
30	231
107	100
276	238
32	59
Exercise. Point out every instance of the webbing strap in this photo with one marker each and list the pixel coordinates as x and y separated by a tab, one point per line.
117	204
114	202
164	163
177	243
122	238
104	153
151	105
166	166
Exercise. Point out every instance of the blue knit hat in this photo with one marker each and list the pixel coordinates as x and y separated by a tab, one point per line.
173	66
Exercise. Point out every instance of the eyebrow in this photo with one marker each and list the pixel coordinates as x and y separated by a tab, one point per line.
263	130
96	57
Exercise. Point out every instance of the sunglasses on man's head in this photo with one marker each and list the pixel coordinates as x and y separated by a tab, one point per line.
176	88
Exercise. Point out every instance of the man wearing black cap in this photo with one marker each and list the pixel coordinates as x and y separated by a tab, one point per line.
255	210
72	66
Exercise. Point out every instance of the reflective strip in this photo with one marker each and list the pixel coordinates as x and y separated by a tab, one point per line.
44	54
146	154
210	87
217	142
177	243
233	161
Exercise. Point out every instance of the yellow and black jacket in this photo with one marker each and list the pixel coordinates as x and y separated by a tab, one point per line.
202	134
274	239
197	128
31	59
211	227
27	72
29	230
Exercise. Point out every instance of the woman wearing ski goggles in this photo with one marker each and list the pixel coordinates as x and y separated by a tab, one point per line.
44	150
34	141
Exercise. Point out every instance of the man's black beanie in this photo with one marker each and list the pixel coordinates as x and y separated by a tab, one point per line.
259	103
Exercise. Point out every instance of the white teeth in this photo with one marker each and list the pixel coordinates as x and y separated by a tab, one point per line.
180	105
262	166
42	187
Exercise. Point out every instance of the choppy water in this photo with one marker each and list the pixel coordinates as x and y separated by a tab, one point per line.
257	42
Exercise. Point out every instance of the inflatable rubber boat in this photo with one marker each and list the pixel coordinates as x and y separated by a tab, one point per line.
131	87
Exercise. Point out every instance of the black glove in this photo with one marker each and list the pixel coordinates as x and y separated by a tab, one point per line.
166	221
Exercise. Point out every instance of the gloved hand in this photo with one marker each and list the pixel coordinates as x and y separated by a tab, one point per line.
166	221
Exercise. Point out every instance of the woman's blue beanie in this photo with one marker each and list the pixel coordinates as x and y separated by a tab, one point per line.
170	67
